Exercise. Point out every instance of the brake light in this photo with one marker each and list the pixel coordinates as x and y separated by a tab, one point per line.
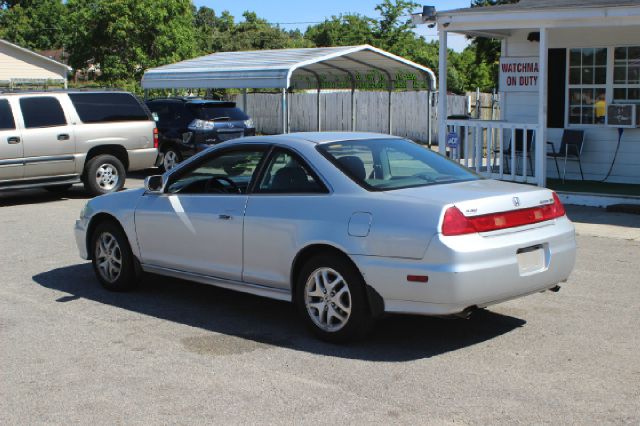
455	223
156	140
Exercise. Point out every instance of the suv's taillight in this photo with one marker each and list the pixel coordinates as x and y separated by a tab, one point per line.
156	140
455	223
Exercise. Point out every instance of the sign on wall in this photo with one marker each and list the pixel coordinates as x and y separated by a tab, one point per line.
519	74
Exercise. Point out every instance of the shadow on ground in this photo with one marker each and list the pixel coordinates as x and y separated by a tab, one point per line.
598	216
268	322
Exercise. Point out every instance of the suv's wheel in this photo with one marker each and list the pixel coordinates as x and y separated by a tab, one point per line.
330	294
170	158
104	174
113	260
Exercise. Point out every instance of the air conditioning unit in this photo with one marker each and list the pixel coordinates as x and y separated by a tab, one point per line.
623	115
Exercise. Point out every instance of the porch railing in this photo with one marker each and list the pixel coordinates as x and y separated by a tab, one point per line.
495	149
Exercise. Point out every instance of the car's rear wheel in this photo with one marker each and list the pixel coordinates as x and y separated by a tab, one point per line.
112	258
330	294
104	174
170	158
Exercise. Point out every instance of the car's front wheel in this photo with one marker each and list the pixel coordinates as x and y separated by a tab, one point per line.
112	258
331	298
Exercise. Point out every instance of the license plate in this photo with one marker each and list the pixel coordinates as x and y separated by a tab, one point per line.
531	260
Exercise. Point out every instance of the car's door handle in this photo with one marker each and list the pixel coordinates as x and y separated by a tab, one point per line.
225	217
63	137
12	140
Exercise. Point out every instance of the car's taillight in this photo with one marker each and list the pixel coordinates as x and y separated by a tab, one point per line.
156	140
455	223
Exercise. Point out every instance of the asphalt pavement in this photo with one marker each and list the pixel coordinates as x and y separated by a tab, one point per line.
178	352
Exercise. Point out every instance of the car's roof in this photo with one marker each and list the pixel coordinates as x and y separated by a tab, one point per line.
326	137
60	91
193	101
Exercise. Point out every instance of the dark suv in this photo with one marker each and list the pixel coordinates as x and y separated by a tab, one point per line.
187	126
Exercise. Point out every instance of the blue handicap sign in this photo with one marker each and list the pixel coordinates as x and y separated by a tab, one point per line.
452	140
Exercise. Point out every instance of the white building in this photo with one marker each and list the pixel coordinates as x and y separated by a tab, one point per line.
20	66
562	60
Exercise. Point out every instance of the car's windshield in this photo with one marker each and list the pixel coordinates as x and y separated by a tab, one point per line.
387	164
213	111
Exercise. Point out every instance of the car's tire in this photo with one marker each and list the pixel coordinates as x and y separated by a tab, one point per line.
104	174
171	157
330	296
112	259
58	189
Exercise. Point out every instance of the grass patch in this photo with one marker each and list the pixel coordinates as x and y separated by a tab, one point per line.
594	187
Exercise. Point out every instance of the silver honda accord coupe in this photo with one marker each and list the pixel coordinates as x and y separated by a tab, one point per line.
348	226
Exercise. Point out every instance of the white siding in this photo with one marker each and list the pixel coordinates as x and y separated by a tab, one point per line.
18	64
600	141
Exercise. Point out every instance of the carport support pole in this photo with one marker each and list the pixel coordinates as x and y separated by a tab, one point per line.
429	94
244	101
353	107
390	106
442	95
318	100
284	110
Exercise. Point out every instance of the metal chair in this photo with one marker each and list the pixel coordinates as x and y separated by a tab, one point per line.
570	148
519	148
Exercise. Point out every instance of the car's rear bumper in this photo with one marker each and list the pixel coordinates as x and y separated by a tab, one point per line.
472	270
140	159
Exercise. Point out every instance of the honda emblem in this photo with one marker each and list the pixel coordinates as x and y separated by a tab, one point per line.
516	201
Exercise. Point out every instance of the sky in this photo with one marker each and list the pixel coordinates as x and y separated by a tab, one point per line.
299	14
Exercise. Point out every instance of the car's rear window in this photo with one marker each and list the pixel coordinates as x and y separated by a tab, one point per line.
220	112
108	107
387	164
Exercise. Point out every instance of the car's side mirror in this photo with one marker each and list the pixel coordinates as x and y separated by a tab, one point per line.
154	183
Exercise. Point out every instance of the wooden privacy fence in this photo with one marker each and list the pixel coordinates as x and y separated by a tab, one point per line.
409	112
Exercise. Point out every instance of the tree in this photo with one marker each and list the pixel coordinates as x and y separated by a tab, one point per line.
128	36
488	50
34	24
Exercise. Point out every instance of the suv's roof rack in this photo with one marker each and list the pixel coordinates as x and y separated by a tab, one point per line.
189	99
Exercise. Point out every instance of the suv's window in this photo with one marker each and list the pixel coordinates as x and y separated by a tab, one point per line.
229	172
287	174
42	111
6	116
108	107
217	111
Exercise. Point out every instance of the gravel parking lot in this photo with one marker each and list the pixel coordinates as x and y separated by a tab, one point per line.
177	352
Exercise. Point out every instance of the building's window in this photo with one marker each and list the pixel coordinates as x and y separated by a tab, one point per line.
626	74
587	86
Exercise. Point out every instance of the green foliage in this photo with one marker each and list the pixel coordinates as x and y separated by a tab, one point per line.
487	50
125	37
34	24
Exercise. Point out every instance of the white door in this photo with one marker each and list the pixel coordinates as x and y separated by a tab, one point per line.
11	163
196	225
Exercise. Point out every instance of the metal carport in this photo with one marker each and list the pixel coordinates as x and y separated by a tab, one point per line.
284	69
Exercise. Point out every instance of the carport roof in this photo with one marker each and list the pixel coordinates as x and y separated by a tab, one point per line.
276	68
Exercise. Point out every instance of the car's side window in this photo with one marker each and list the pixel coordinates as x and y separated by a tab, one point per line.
6	116
42	111
229	172
286	173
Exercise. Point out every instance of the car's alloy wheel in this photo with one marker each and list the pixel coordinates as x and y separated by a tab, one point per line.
104	174
108	257
107	177
331	297
327	299
170	160
112	259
